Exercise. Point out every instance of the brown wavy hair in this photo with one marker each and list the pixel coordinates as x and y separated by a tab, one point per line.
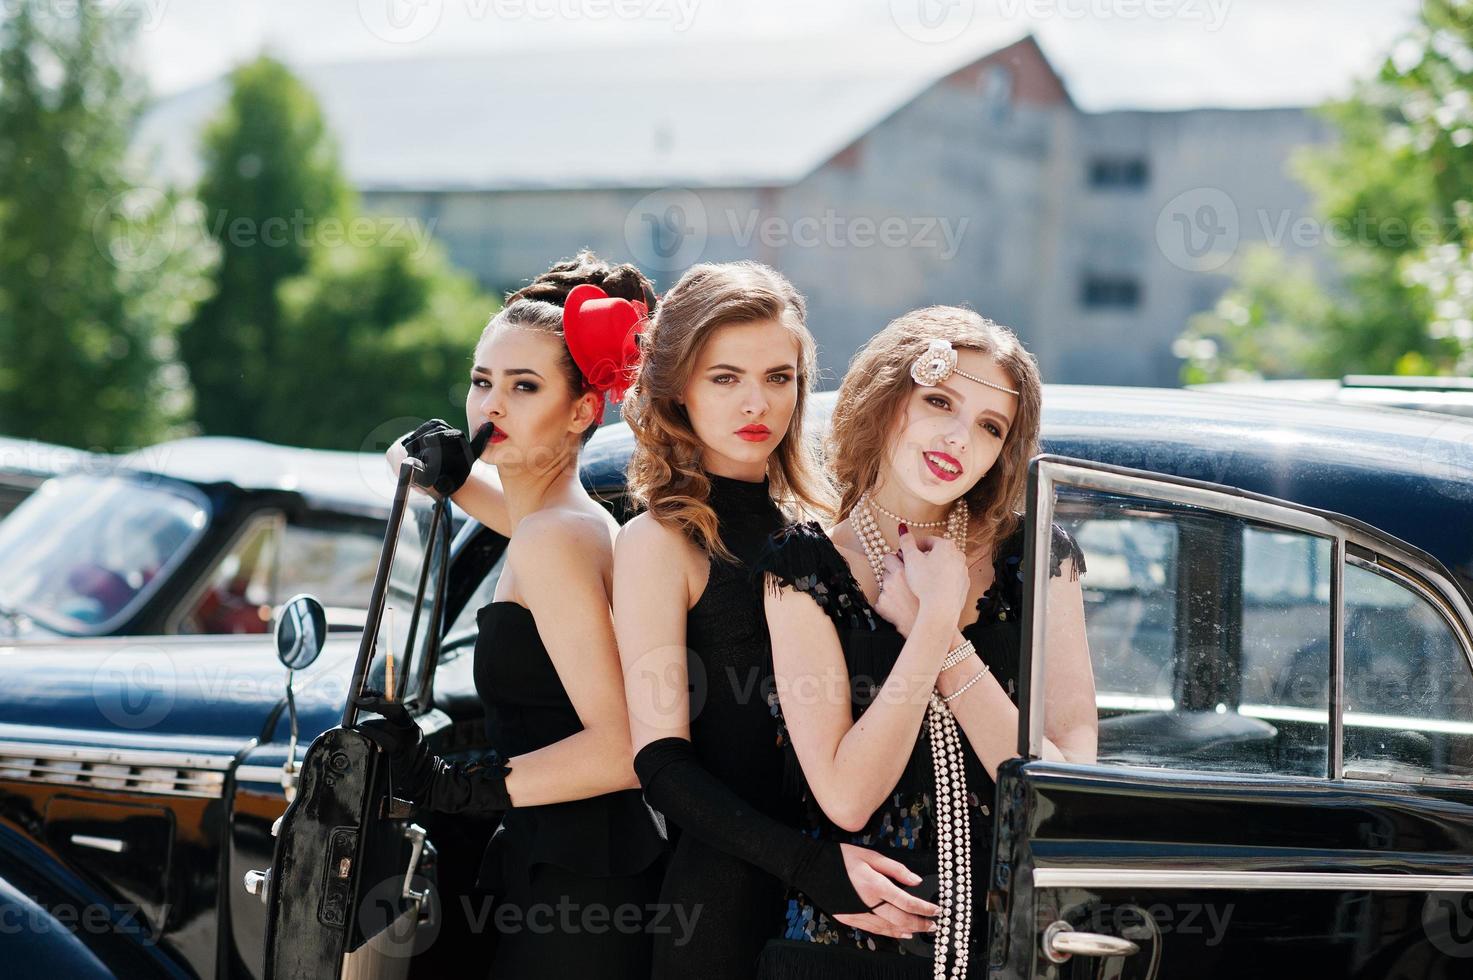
538	306
665	474
878	382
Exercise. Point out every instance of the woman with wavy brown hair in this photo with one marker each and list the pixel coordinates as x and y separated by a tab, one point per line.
721	463
897	682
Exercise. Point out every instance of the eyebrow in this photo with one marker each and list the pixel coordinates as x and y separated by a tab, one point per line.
510	371
1007	422
736	370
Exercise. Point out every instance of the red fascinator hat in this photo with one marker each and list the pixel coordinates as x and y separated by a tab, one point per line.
601	333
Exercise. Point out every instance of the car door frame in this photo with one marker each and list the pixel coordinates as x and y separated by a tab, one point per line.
1022	891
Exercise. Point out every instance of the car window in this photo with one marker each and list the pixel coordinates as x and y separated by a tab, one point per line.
1408	682
271	560
1209	635
462	633
240	594
334	563
83	553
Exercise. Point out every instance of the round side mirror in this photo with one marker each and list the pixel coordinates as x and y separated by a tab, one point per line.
301	630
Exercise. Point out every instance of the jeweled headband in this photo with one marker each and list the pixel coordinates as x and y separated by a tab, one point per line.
938	362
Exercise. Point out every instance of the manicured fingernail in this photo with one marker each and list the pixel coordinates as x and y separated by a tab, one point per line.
906	935
903	528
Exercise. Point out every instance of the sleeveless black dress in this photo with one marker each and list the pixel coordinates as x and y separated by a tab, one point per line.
812	945
573	873
735	738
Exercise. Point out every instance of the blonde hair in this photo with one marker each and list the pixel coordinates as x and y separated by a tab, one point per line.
878	383
665	474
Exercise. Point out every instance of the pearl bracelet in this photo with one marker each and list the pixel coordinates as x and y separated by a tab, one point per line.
956	656
963	689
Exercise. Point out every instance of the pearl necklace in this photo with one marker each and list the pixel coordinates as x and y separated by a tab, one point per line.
953	815
875	546
871	501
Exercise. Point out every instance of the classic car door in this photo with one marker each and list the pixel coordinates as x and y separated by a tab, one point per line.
1284	778
345	892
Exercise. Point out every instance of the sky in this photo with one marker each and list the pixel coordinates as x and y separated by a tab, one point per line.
1148	54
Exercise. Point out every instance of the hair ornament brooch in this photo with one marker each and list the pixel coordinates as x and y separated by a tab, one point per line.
602	333
938	362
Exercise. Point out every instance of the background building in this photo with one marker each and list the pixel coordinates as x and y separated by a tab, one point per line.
1095	235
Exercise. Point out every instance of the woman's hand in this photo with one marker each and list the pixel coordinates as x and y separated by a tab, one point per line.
445	452
896	602
937	575
894	912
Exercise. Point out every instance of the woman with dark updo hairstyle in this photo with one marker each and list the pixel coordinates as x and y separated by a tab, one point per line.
577	861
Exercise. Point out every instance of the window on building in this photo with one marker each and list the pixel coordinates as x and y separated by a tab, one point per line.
1118	173
1101	292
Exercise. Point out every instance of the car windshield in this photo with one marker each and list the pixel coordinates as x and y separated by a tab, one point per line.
80	553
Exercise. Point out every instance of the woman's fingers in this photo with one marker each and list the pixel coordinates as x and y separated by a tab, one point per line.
887	891
903	921
890	868
873	924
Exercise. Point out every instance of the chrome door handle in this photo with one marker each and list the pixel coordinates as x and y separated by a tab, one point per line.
416	835
1060	942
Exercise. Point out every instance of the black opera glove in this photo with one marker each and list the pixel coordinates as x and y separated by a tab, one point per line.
676	784
420	776
446	454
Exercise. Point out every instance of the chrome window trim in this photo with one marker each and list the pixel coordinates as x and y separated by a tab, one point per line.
1096	879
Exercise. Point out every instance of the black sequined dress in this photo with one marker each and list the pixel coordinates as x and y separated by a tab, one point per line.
812	945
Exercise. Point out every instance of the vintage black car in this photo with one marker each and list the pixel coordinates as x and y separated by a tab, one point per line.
1278	614
202	535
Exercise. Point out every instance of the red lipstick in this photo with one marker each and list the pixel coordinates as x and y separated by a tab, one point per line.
755	432
939	463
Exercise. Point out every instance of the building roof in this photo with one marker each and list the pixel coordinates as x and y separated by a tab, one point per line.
738	114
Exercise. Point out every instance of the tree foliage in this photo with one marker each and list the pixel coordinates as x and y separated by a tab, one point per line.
1402	170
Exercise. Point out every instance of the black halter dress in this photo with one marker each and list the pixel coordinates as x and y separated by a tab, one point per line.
734	737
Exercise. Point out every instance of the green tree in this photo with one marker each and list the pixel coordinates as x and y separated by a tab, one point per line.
271	178
371	334
97	272
327	323
1401	174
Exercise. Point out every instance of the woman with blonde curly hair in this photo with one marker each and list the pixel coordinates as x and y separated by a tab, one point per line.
720	464
897	682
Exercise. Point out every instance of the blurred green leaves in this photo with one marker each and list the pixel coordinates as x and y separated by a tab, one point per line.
1402	300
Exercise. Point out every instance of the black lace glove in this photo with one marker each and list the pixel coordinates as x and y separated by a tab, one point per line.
676	784
420	776
446	454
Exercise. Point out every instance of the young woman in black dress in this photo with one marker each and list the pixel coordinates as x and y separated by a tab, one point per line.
577	861
896	636
720	463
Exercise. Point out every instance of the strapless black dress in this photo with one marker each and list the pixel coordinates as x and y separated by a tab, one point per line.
572	873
